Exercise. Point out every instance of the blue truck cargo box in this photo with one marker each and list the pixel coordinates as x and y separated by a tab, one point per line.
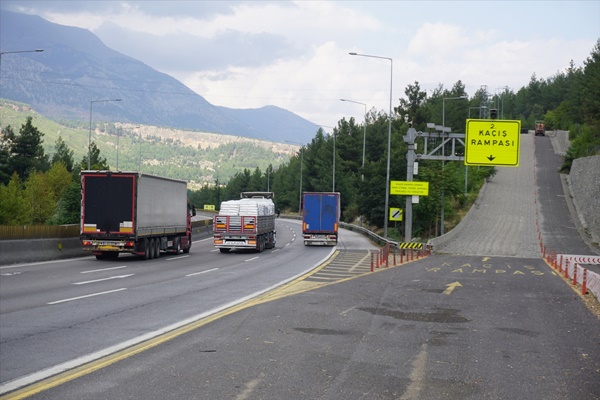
320	217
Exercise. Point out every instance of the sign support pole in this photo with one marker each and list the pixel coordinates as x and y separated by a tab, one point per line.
410	164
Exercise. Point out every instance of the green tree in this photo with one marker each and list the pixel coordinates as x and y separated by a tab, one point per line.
411	109
591	87
39	198
63	153
58	179
12	203
97	162
6	139
69	206
27	153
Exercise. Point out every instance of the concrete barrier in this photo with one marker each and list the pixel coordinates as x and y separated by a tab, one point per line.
33	250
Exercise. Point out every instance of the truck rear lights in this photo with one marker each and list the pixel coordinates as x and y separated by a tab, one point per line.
87	243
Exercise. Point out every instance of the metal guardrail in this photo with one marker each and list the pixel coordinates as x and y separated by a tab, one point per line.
364	231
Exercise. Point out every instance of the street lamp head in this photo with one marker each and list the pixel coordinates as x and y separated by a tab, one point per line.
353	54
39	50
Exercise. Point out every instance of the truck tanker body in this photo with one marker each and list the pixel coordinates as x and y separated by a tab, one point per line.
131	212
247	223
320	218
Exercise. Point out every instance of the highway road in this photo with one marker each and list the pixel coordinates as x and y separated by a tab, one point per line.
69	311
486	318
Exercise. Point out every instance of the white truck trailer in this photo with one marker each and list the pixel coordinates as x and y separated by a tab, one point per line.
247	223
131	212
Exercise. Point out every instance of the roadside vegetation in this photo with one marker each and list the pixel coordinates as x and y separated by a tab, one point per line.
38	189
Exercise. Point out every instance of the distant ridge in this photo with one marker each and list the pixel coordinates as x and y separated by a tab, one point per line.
77	68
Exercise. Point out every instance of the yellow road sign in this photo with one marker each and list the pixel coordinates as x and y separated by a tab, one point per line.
409	188
492	142
395	214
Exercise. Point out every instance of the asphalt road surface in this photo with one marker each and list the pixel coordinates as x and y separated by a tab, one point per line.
486	318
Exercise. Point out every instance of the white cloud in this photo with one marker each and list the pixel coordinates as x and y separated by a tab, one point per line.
248	54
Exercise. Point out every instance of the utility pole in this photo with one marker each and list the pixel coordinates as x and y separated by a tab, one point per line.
409	139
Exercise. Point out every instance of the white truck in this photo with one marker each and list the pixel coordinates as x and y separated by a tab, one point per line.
247	223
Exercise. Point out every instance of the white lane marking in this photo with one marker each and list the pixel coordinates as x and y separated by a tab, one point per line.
103	279
346	311
45	262
250	259
176	258
203	272
87	295
76	362
287	244
103	269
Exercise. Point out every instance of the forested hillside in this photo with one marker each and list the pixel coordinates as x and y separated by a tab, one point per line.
197	157
569	100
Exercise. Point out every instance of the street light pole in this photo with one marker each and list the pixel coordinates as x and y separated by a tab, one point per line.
90	134
443	155
364	136
387	179
301	163
18	51
118	136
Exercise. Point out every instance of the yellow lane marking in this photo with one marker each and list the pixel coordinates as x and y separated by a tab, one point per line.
299	285
451	287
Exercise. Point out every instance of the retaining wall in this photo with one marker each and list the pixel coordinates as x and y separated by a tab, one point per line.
584	185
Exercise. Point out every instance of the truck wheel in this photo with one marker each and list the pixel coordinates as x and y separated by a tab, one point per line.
151	248
271	242
101	256
157	248
146	249
189	244
177	246
260	245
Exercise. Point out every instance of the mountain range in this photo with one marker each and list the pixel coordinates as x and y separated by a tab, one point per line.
76	70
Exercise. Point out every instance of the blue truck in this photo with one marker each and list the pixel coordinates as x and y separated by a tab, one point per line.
320	218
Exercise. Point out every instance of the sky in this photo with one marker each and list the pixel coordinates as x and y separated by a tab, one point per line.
295	54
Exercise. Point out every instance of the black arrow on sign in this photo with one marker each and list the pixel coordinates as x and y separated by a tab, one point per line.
491	157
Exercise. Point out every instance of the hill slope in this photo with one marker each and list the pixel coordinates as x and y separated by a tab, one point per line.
197	157
76	68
